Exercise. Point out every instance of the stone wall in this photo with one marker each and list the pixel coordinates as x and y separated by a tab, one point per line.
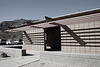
37	37
89	32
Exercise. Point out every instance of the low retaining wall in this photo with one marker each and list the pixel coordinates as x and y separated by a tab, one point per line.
61	59
34	47
13	52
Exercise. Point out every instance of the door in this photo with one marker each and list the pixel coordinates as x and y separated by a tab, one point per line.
52	39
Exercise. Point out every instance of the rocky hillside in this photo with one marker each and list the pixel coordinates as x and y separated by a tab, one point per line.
6	24
12	35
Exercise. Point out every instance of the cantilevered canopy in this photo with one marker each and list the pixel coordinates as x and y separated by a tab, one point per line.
80	19
87	16
32	27
44	25
21	28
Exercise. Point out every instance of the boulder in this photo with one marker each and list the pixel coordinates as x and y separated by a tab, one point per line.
4	55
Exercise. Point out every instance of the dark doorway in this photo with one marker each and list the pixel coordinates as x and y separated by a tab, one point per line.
52	39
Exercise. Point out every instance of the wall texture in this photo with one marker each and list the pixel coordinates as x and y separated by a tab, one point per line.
37	37
89	32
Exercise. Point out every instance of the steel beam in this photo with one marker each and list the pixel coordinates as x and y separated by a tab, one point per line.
74	35
28	37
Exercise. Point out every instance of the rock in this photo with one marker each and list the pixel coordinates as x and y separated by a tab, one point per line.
3	55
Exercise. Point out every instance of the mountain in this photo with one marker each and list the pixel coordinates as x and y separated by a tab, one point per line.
12	35
6	24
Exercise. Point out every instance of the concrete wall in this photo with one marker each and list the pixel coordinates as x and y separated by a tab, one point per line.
13	52
61	59
34	47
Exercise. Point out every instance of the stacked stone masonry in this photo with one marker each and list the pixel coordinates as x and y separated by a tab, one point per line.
89	32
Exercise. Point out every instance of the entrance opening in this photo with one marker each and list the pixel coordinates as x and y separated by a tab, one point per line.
52	39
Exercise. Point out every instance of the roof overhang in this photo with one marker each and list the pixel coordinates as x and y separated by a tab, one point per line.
88	16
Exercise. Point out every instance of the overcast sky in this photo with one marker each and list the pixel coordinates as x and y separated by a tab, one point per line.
37	9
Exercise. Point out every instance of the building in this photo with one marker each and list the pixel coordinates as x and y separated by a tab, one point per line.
74	33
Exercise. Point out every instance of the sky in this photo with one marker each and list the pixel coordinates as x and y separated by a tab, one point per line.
36	9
